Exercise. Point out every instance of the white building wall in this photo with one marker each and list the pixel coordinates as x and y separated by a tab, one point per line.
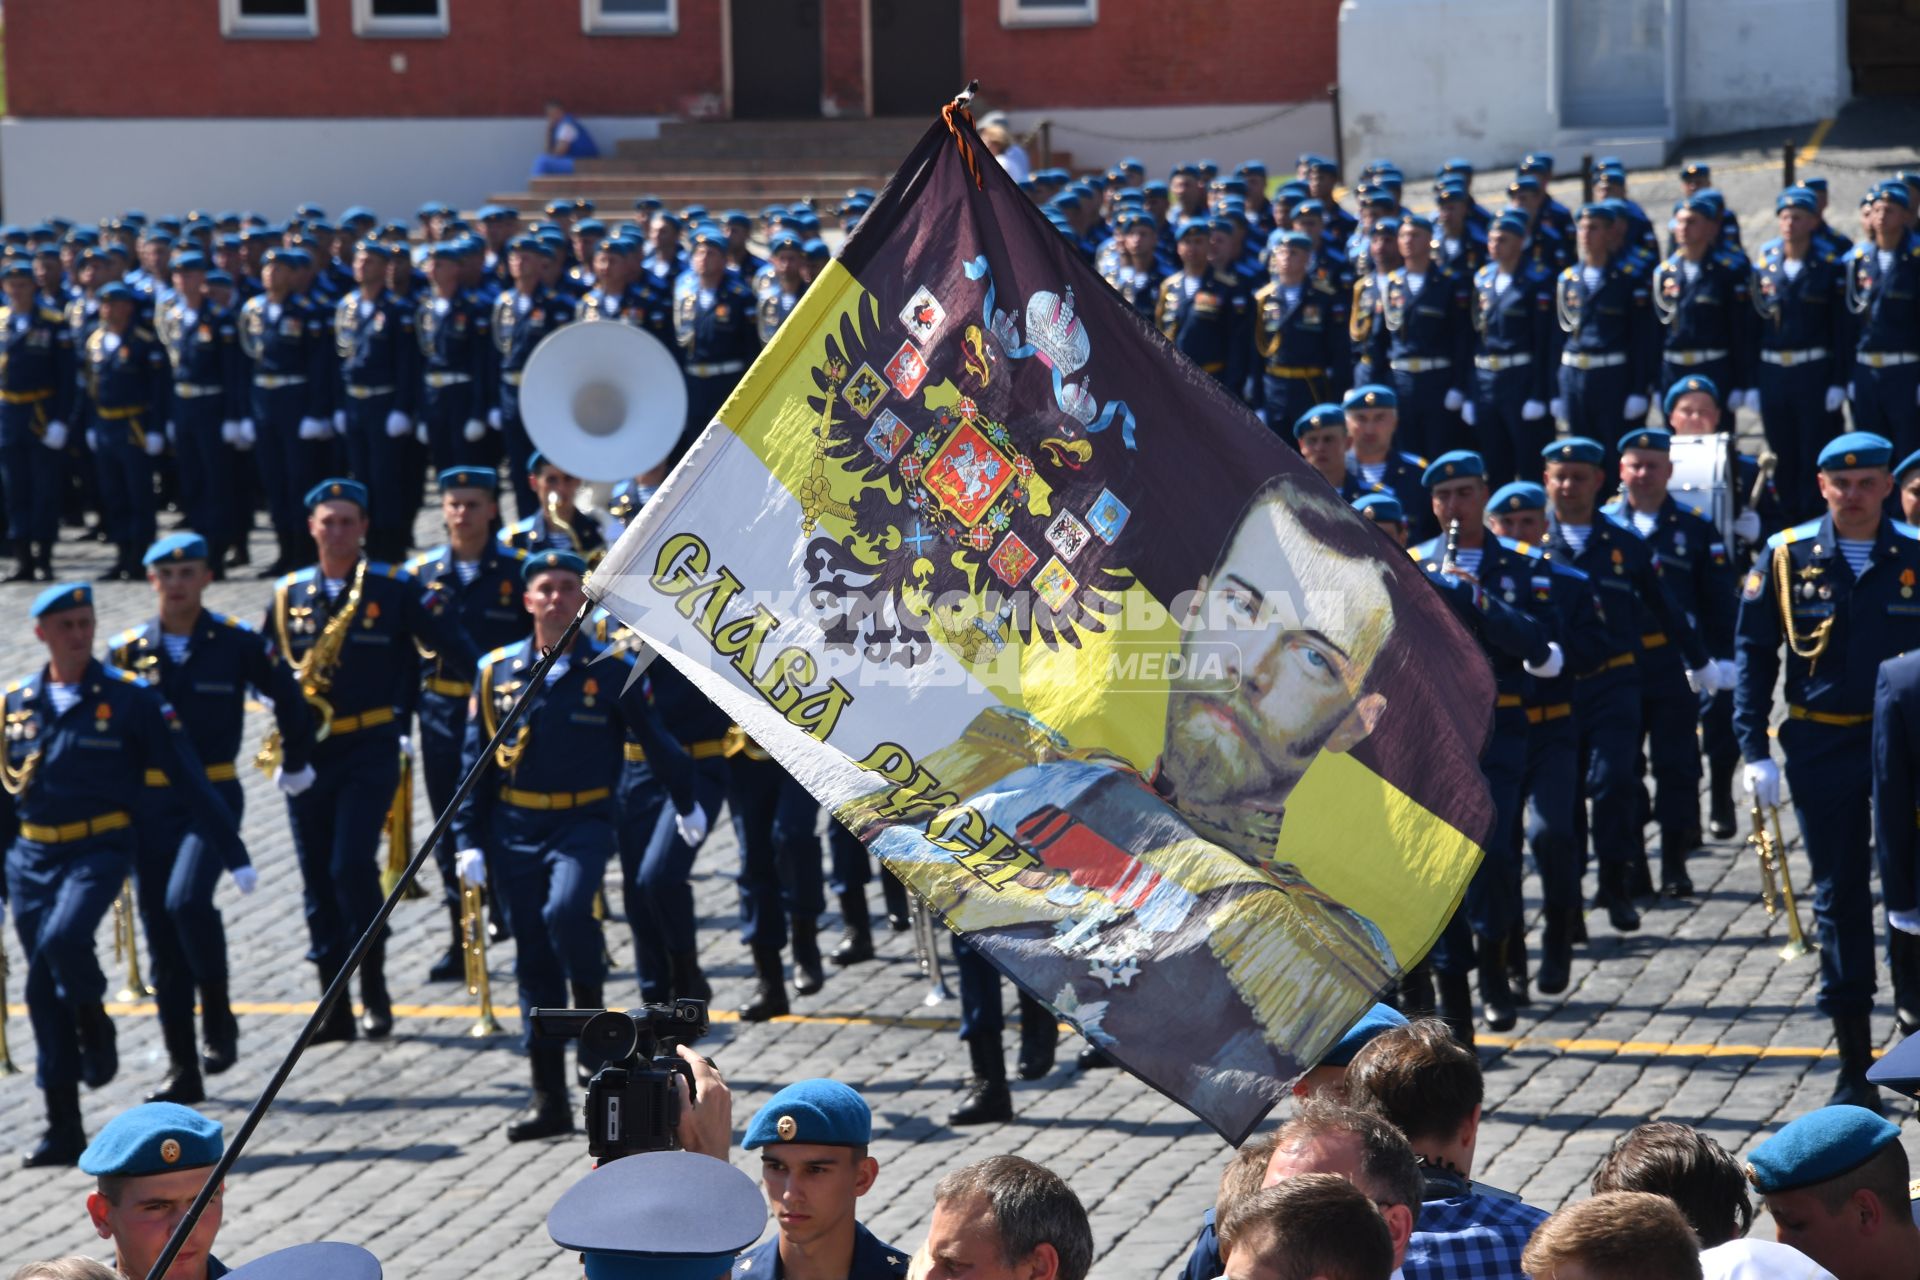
1749	64
1162	136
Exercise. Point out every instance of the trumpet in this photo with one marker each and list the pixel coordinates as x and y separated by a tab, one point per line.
6	1056
126	945
927	952
473	943
400	834
1771	847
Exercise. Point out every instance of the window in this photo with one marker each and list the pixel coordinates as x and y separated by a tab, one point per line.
272	18
400	17
629	17
1048	13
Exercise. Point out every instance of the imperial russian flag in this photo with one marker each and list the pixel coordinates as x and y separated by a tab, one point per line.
1087	655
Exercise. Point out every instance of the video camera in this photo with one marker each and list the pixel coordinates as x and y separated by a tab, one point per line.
631	1105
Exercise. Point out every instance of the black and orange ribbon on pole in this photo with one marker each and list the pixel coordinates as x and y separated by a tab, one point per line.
961	109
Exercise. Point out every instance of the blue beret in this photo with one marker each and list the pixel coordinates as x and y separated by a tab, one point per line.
154	1137
555	207
1381	508
535	460
17	268
1450	191
1701	205
1691	383
1382	1017
1383	198
115	292
328	1260
1797	198
1418	221
1525	182
1537	162
1066	200
711	234
1511	223
1517	495
1598	209
375	249
697	213
290	256
1896	192
1310	206
1646	438
1907	464
1245	166
1899	1067
191	262
1290	239
589	227
1235	186
1388	174
1696	169
447	251
220	277
662	1215
176	547
552	560
1133	162
470	478
1386	227
821	1112
358	213
337	489
1209	167
1313	162
1455	464
1319	418
1819	1147
1814	184
1576	449
65	595
784	240
1191	227
1856	449
1370	396
817	249
1458	164
1293	189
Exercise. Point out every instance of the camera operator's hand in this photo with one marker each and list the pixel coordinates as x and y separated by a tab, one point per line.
706	1124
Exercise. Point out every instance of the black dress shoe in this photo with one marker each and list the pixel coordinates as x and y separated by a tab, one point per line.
545	1117
1622	915
1037	1053
856	946
1093	1058
59	1147
1675	887
219	1057
99	1047
182	1084
377	1021
986	1102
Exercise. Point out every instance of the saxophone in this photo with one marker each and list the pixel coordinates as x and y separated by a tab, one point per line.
314	672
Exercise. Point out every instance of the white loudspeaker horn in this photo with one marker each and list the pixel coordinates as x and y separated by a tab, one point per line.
604	400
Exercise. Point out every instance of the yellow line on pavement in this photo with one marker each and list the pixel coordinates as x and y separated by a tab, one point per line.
1819	138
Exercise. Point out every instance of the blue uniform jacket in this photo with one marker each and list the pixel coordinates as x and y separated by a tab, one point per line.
536	533
720	328
1807	311
127	381
1710	312
1519	320
1402	480
38	360
1896	797
1211	326
377	351
1887	301
288	340
92	762
1614	319
456	345
1635	602
1139	289
1873	618
1310	334
1434	322
1695	565
1511	626
872	1259
1580	628
489	611
516	332
203	347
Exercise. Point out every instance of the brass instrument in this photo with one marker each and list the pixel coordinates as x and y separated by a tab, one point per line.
1771	846
126	945
1811	646
553	518
6	1057
400	834
473	943
927	952
314	672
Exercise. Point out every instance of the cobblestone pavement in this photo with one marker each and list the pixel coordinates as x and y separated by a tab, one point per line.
397	1146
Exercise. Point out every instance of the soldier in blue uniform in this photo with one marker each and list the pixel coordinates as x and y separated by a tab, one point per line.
203	664
1696	182
1206	308
1134	267
813	1137
522	317
717	323
203	348
1700	294
1459	230
782	284
80	738
454	329
1896	799
37	385
563	757
556	524
126	371
1883	293
1299	333
1383	509
1516	345
1643	617
1840	591
1697	568
665	260
1606	362
1378	467
380	377
365	618
1425	337
1799	291
1322	176
1486	584
480	580
1321	436
286	344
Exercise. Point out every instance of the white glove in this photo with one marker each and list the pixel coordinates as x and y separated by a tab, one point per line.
1704	679
1466	412
247	434
1746	526
471	866
313	429
1532	411
93	439
406	745
398	425
56	435
156	444
293	783
1556	660
475	431
173	434
420	433
1726	673
1763	782
340	421
493	419
1836	396
1557	406
1455	400
691	826
1736	400
1750	399
246	879
1904	921
1851	393
230	432
1636	408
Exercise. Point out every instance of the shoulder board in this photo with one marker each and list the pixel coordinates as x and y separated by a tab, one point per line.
1613	506
1914	252
1568	273
517	554
1858	251
228	620
1415	459
1515	544
420	561
1629	268
16	686
145	335
1567	570
386	570
124	677
1695	511
1904	530
496	655
520	526
1795	534
52	314
125	638
298	575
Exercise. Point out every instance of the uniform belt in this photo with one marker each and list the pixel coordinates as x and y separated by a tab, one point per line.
1296	371
737	743
717	369
1788	359
120	414
1688	359
707	750
68	832
1420	364
1828	717
552	799
25	397
215	773
438	380
1507	700
1611	664
1583	360
1885	359
195	390
448	688
1558	711
1653	640
1218	366
367	393
275	381
511	377
365	720
1494	364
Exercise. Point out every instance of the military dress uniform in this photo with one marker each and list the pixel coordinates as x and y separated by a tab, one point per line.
520	322
1610	346
1140	289
1425	338
457	383
382	614
538	532
127	385
1209	318
380	379
37	385
1884	298
1300	335
718	332
76	766
1896	825
290	364
209	394
1516	350
1707	318
1805	336
177	865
